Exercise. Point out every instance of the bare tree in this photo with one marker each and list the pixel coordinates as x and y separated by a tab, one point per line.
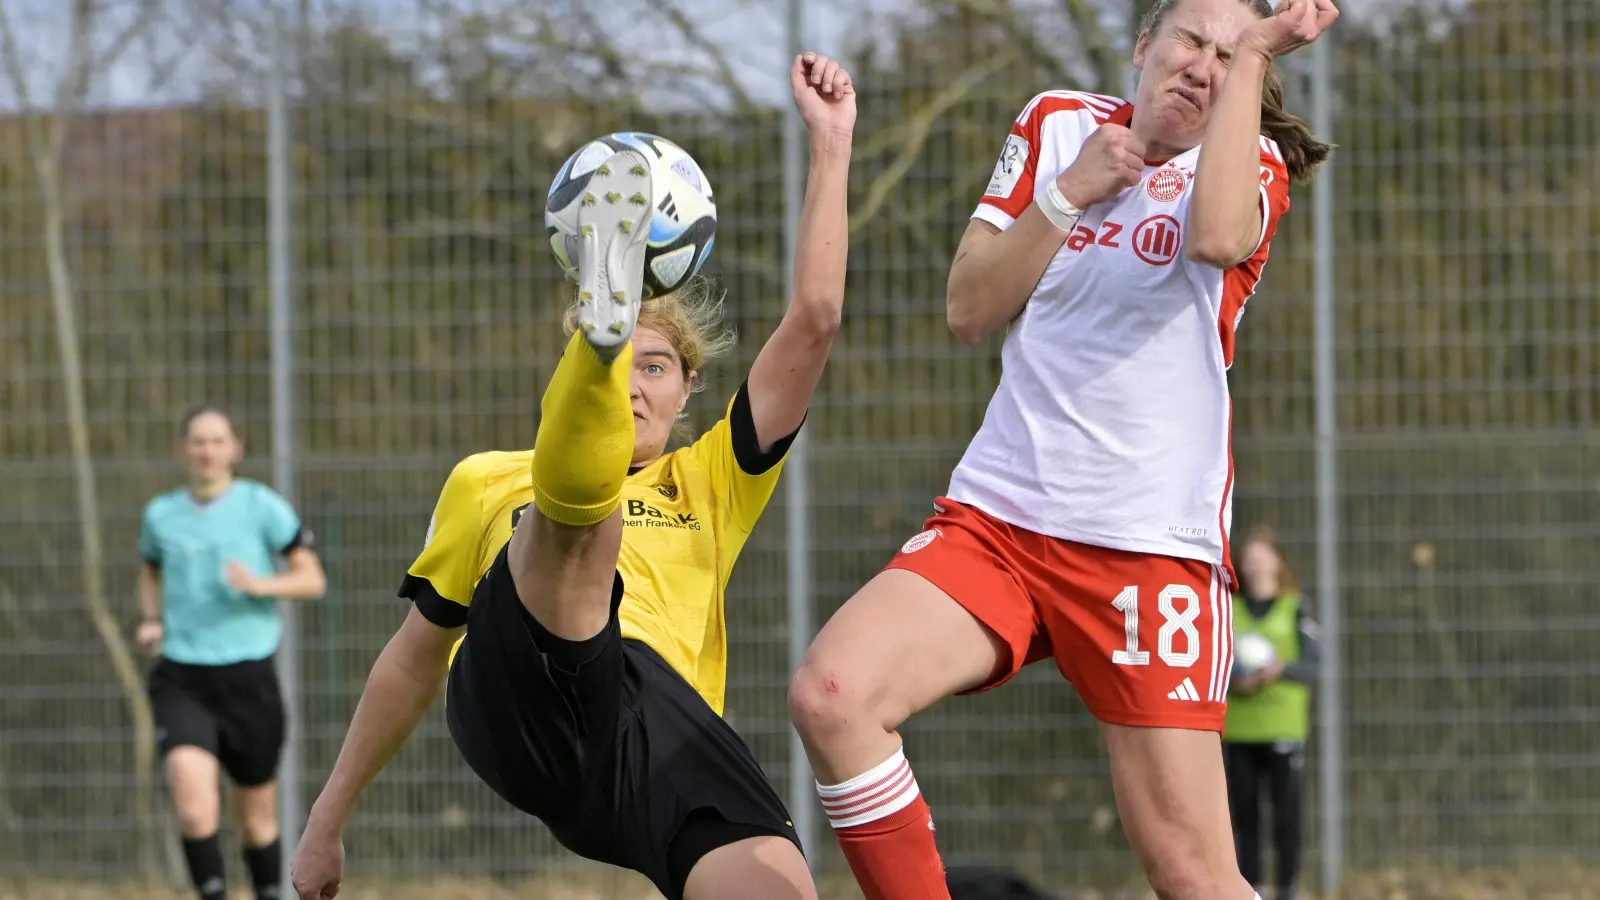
93	45
1098	46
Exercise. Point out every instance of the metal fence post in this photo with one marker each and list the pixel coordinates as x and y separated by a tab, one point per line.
797	475
1330	706
281	342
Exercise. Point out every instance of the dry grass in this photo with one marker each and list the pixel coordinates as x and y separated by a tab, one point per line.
1544	882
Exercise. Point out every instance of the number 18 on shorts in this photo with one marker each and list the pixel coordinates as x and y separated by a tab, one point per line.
1173	647
1145	639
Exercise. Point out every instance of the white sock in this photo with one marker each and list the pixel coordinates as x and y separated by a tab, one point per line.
878	793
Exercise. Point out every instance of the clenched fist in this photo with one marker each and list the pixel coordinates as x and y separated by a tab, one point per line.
1292	25
317	868
1111	161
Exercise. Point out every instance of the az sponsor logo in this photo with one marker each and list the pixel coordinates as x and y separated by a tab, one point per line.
1156	240
643	514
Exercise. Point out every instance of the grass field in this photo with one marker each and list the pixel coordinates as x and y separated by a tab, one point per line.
1543	882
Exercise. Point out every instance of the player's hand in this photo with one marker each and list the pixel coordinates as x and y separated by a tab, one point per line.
824	94
1111	161
317	867
148	637
1294	24
240	579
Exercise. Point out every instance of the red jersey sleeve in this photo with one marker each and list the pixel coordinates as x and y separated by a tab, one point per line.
1274	193
1011	185
1043	139
1239	282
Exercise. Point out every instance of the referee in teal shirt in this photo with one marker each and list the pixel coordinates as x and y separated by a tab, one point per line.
218	554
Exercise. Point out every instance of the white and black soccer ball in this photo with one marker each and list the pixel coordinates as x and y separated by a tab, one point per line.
683	225
1252	652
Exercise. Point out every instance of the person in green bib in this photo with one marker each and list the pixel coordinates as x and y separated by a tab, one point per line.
1269	711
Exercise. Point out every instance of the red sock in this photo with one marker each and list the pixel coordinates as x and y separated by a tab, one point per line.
886	833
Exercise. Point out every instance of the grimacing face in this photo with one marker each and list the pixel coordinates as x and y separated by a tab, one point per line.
659	392
1182	65
210	449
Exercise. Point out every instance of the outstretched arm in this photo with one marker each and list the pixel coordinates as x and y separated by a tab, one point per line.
1226	214
404	682
789	366
406	678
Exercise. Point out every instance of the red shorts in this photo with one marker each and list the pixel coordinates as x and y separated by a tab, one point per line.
1145	639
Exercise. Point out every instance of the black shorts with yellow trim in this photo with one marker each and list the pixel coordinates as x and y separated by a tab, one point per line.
602	740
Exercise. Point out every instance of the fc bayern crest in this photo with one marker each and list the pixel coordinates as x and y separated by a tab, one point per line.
919	541
1167	185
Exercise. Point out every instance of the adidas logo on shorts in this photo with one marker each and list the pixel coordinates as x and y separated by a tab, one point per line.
1184	691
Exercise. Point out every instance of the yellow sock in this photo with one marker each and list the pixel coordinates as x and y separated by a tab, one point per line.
585	441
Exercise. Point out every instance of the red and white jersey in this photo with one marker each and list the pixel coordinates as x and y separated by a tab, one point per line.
1112	422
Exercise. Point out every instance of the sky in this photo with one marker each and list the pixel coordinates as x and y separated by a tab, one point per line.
751	33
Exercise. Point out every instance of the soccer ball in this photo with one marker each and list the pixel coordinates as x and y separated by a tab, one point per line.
683	225
1252	652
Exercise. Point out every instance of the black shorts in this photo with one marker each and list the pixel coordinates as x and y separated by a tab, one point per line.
603	741
235	712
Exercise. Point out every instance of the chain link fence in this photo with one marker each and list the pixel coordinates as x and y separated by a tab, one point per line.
133	247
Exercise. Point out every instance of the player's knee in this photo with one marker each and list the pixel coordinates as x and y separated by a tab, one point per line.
824	706
258	815
198	820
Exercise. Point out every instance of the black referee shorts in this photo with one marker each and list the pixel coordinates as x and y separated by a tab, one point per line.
235	712
603	741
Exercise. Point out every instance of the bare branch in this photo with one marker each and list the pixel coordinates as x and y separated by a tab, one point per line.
108	57
914	133
80	70
615	64
719	59
46	138
185	32
1097	45
13	55
1024	37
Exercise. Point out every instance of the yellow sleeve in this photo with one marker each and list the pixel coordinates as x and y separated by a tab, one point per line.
441	580
731	454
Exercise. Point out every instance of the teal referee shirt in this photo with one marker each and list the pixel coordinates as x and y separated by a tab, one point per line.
206	621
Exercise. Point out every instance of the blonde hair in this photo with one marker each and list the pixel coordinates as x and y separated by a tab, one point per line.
690	318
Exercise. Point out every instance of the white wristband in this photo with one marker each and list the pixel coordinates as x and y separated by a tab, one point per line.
1057	208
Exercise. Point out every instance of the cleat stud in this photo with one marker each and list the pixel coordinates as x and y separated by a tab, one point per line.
612	196
639	199
627	227
616	327
603	170
586	326
588	199
588	230
639	169
586	297
620	296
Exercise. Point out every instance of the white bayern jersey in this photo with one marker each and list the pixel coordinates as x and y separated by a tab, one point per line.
1112	422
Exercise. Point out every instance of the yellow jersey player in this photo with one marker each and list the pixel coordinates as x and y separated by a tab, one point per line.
571	596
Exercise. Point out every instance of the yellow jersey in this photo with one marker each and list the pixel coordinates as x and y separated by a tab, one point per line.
687	516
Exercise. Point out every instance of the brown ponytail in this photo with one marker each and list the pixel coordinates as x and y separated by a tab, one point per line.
1302	152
